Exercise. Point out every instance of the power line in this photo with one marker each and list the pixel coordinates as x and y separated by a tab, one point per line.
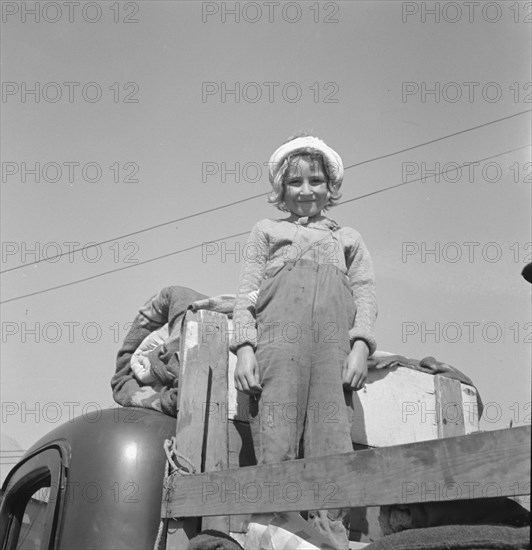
247	232
223	206
465	165
122	268
438	139
136	232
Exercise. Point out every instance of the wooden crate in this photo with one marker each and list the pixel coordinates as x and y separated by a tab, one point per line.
397	405
402	405
400	410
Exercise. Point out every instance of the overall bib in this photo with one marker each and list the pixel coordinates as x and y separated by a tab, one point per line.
303	313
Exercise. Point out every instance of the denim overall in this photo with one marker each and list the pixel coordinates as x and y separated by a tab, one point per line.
303	313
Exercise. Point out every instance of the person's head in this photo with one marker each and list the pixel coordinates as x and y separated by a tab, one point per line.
306	176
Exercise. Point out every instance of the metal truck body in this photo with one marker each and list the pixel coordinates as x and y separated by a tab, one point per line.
91	483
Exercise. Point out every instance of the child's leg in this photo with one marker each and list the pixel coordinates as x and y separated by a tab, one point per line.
327	429
284	356
277	416
300	359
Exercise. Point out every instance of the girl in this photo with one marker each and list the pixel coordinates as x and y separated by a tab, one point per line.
304	314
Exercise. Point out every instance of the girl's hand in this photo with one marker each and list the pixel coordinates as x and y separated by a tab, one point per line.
247	371
355	369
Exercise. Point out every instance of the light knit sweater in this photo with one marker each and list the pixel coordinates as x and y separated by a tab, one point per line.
272	243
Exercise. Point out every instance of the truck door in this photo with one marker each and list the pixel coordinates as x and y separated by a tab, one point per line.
32	503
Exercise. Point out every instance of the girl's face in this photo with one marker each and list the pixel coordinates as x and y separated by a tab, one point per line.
305	186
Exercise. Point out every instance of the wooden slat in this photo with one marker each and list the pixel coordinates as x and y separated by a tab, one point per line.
495	463
449	406
470	408
179	532
241	453
216	425
190	425
193	384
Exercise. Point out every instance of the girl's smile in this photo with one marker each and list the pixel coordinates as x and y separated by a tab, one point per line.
306	191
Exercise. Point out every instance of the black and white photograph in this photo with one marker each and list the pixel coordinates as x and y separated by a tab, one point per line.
266	274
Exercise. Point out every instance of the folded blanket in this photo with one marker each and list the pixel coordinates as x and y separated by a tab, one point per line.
168	307
380	360
224	303
210	539
457	537
478	511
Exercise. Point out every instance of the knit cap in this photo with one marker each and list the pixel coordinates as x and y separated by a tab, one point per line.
309	144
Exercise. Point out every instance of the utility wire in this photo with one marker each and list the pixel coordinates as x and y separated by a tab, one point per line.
247	232
135	232
437	139
122	268
221	207
465	165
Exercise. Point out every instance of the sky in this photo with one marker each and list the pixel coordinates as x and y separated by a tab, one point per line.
149	112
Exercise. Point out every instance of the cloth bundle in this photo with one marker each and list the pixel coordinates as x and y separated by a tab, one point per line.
283	531
457	537
168	307
210	539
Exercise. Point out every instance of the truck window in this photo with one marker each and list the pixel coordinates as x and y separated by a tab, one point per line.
32	529
32	502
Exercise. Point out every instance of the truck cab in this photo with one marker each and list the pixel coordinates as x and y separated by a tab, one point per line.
94	482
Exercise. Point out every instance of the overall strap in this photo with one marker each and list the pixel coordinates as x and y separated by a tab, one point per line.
311	246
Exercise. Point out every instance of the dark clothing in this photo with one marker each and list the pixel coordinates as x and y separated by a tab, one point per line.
169	306
457	537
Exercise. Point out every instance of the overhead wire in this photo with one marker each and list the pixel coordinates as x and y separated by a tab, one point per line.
175	252
234	203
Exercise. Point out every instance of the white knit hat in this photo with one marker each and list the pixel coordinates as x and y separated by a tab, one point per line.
309	144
